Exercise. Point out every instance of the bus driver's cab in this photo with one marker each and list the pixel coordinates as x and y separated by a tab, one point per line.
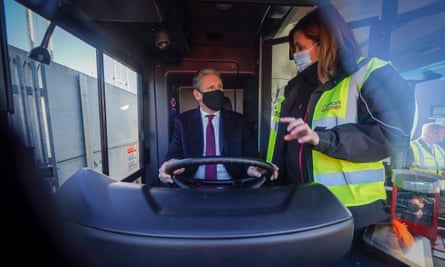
90	89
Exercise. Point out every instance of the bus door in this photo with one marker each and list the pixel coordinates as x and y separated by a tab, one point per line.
31	118
80	108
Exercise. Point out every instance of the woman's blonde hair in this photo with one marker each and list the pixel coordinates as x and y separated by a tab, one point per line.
338	48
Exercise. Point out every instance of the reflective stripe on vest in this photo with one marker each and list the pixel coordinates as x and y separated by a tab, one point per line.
274	128
425	161
360	177
353	183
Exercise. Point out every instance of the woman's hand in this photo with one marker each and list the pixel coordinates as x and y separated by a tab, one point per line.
299	130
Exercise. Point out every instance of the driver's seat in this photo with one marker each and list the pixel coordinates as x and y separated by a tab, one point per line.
128	224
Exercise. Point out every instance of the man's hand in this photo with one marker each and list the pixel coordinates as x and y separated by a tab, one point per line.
163	176
254	171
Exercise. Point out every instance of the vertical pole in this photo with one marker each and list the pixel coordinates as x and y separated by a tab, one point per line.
40	123
102	112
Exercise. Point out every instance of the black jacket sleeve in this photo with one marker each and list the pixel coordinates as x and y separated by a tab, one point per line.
175	149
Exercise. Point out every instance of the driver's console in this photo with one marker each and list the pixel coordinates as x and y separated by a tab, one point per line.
128	224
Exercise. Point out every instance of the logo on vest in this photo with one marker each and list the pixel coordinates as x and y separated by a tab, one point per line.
331	105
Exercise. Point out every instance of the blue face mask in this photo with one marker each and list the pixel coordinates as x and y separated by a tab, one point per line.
303	59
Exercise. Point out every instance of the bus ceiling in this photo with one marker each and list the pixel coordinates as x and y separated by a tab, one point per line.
151	27
138	31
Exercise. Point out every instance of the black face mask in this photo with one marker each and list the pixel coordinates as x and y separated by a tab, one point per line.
214	99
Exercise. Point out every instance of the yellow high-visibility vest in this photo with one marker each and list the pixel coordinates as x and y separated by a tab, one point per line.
352	183
274	128
425	161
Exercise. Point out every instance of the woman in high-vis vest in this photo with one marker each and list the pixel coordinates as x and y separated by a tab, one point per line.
340	116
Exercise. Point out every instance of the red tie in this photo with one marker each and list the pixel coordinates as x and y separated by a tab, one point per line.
210	149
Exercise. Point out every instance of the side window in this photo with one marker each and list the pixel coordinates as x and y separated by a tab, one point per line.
121	100
55	105
57	111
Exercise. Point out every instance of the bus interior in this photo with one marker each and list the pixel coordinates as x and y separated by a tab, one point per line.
91	88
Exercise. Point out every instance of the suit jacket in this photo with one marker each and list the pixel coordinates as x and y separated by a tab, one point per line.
235	140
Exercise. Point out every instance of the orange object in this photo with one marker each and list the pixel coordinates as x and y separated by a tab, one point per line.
402	233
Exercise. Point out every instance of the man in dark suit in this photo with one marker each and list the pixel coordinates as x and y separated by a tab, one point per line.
231	133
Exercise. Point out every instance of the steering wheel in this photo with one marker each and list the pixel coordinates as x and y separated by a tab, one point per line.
247	182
